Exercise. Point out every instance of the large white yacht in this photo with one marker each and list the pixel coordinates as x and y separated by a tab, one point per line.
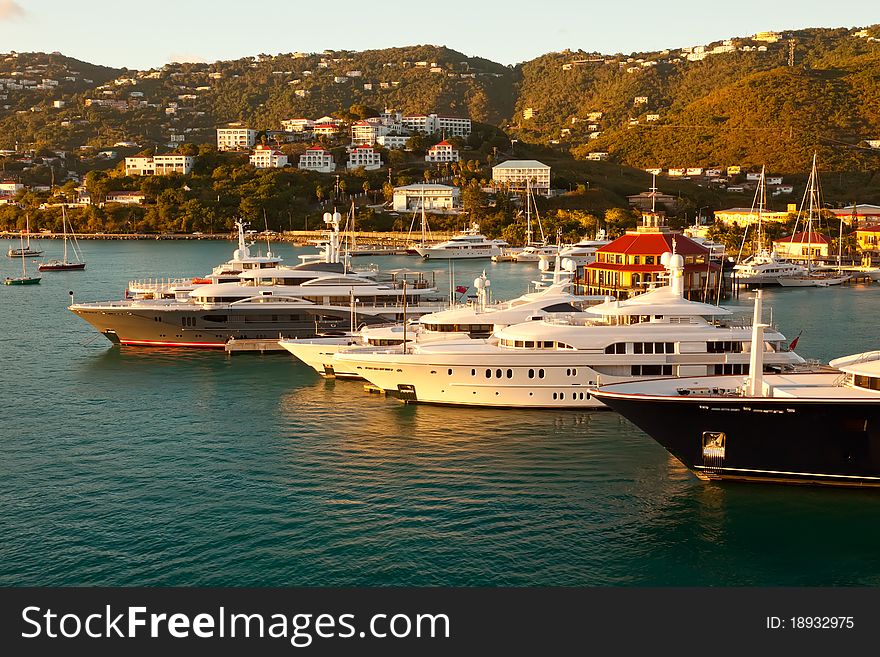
475	320
467	244
228	272
263	301
551	363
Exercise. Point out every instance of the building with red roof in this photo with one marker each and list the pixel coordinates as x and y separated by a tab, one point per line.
442	152
632	263
266	157
316	158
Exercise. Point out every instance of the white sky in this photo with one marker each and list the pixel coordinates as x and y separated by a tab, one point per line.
149	34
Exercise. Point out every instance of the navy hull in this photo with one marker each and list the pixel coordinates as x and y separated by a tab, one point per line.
787	440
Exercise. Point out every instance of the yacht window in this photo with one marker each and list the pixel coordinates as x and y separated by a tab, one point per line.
530	344
473	372
449	371
497	374
548	344
560	308
540	374
488	374
518	343
509	374
868	382
531	374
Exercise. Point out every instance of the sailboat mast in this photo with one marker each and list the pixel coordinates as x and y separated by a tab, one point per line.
528	214
64	230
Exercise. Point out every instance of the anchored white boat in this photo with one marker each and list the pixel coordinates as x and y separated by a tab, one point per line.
553	362
472	321
468	244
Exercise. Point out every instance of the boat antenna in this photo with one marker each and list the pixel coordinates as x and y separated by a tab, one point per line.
754	385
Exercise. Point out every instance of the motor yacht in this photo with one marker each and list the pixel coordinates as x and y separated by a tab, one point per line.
553	362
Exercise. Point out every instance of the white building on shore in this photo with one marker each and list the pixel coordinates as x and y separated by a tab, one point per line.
431	195
514	174
317	159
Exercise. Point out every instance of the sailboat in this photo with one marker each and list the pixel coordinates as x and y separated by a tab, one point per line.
763	267
24	279
813	276
64	264
25	250
534	250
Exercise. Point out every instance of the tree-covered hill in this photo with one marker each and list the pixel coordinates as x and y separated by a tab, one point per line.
748	101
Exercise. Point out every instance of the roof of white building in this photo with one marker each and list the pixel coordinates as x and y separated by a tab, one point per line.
521	164
425	187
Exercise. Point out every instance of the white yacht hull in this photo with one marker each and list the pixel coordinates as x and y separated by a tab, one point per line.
555	379
318	353
430	253
813	281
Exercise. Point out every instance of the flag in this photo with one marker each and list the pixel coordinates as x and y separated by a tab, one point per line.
794	342
461	289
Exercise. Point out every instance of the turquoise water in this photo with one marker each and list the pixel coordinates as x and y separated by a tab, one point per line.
159	467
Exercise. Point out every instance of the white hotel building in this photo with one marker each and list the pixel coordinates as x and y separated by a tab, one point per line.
317	159
236	139
159	165
431	124
363	156
514	174
434	197
266	157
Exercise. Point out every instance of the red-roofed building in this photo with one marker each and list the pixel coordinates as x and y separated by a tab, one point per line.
442	152
317	159
802	246
631	263
266	157
363	156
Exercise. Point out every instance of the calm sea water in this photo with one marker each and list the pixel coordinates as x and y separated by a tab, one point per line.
154	467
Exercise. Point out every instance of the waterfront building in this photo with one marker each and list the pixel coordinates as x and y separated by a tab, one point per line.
802	246
514	174
430	195
442	152
235	139
632	263
862	214
868	238
266	157
317	159
363	156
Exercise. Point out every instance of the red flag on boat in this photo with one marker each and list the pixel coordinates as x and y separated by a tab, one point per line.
794	342
461	289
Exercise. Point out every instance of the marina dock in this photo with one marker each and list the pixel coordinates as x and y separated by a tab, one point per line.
234	346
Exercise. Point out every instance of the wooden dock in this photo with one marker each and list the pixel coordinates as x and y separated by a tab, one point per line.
234	346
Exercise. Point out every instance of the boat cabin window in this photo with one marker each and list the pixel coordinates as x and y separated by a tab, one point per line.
726	346
616	348
653	347
868	382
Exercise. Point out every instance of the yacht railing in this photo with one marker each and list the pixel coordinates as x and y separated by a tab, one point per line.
158	283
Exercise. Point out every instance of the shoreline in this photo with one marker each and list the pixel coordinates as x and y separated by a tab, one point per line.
295	237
